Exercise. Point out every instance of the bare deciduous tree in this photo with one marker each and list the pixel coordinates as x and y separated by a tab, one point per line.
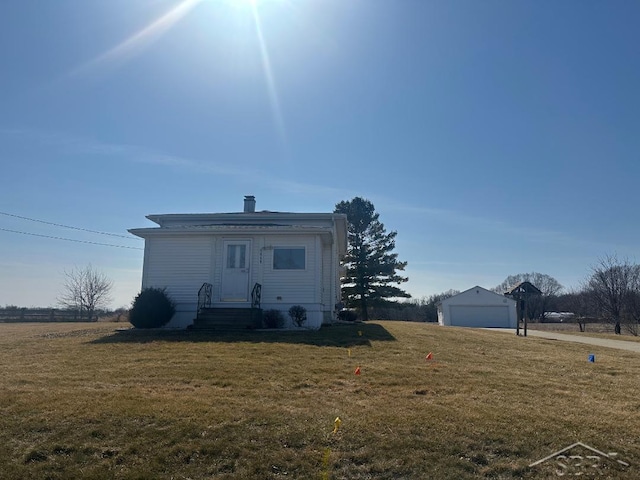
85	289
578	302
537	306
632	312
613	286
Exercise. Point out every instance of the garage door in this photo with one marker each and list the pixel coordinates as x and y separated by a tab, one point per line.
480	316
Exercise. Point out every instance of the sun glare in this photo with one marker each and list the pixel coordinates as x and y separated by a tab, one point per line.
138	41
249	3
241	3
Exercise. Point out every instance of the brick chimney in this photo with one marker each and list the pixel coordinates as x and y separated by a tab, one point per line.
249	204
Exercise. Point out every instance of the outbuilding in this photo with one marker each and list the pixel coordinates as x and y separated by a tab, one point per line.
478	307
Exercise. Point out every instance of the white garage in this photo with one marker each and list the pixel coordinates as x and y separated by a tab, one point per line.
478	307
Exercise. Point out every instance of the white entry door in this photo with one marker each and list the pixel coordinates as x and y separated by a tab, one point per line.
235	271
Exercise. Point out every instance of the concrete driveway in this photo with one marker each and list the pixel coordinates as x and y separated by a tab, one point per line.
599	342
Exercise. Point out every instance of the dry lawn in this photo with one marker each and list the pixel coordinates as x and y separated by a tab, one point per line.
85	401
597	330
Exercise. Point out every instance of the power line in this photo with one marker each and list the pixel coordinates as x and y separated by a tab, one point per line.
71	239
68	226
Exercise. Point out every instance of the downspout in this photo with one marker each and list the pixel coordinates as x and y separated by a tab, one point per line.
319	270
145	263
335	264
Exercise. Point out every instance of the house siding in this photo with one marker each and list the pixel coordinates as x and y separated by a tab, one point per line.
283	288
181	265
289	286
328	295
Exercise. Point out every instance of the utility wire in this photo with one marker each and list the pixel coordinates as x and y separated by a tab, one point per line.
71	239
68	226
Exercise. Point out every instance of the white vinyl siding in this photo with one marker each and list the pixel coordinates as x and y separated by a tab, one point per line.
291	286
327	284
181	264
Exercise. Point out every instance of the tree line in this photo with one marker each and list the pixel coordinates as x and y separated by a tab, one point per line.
372	277
371	282
611	292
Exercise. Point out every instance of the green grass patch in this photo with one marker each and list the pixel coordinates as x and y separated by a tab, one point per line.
87	401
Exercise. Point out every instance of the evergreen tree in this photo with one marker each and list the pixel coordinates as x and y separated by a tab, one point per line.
370	264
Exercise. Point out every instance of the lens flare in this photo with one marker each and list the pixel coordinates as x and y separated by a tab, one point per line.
138	41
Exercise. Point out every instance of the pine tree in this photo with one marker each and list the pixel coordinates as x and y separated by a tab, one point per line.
370	264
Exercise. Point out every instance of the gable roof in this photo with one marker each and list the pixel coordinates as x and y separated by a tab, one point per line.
478	290
523	288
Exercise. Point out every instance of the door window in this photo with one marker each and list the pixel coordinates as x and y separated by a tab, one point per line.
236	256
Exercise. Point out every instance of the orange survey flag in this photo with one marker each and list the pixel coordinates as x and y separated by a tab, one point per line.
357	372
429	356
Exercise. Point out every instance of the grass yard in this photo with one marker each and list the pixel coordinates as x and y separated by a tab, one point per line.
85	401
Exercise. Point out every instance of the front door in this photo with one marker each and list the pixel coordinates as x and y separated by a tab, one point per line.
235	271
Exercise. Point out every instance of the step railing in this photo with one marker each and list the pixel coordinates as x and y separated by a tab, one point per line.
256	295
204	296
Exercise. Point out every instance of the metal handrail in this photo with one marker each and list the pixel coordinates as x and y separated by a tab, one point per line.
256	295
204	296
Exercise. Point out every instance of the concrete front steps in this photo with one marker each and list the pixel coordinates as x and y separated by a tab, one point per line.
228	319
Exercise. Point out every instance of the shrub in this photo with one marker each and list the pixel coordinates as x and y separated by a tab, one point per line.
273	318
347	315
152	308
298	314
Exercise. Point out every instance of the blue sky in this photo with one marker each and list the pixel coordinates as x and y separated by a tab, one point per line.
496	137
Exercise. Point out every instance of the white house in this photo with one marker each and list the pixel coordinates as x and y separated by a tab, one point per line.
283	259
478	307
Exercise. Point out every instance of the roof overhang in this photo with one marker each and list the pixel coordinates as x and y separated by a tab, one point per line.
239	218
326	233
340	221
332	227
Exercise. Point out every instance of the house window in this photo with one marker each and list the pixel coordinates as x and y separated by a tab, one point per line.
289	258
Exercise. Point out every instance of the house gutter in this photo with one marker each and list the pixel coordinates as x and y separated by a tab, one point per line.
198	230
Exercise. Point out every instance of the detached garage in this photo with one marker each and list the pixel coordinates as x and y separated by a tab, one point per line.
478	307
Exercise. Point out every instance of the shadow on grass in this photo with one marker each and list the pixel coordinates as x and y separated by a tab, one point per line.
340	335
